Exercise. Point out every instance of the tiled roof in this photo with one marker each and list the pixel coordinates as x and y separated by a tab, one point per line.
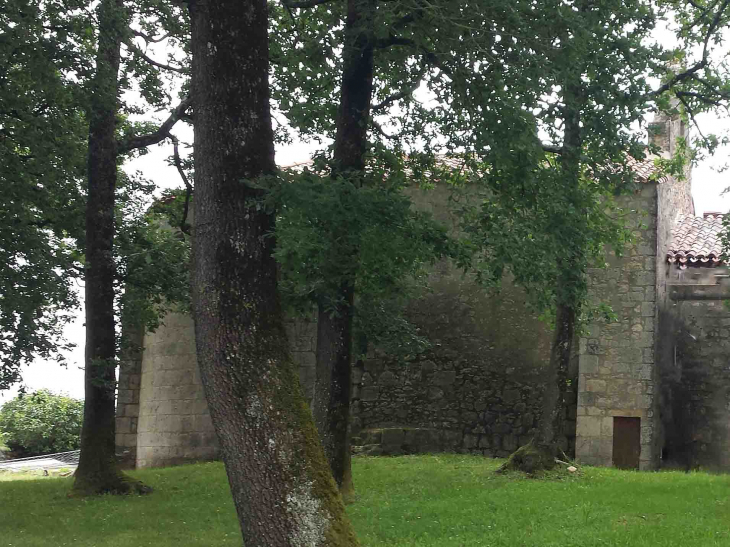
644	169
696	241
442	160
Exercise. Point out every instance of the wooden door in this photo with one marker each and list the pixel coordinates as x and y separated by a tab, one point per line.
626	442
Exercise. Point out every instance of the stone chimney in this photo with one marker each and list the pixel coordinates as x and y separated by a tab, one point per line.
664	131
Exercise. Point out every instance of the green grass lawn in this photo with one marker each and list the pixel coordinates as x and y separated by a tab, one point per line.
440	500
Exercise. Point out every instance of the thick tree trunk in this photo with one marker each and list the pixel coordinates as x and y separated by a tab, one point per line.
281	484
98	469
331	404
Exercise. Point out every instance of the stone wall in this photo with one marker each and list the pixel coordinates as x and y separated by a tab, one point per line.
674	199
130	375
163	388
694	371
477	389
174	422
618	373
616	376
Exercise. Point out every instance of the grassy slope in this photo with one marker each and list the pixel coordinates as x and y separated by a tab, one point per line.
442	500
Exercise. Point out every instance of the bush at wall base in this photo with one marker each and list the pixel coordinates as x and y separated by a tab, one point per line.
42	422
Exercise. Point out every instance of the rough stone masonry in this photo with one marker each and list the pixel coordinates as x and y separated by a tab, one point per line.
649	389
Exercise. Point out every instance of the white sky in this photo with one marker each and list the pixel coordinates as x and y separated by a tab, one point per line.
707	187
70	379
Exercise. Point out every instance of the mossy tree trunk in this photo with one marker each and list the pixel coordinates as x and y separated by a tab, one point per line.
98	470
281	484
331	405
332	388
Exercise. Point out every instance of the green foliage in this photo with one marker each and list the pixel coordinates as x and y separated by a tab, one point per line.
501	79
46	68
42	164
329	231
354	230
41	423
531	238
153	255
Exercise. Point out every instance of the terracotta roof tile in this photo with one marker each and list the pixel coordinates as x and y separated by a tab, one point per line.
644	170
696	241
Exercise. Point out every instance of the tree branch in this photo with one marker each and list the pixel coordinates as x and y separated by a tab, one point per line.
303	4
393	41
702	63
699	96
390	99
163	132
137	51
430	57
703	11
184	226
552	148
677	78
379	129
149	39
689	110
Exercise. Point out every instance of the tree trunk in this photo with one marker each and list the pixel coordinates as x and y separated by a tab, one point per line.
553	408
281	485
571	283
98	470
540	453
331	405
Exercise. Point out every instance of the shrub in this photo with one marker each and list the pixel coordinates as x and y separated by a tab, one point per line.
41	423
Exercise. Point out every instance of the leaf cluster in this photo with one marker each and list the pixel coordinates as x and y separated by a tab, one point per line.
41	423
42	165
353	230
152	256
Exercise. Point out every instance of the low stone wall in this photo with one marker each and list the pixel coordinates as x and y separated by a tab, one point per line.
394	441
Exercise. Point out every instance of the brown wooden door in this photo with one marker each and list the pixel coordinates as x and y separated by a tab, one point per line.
626	442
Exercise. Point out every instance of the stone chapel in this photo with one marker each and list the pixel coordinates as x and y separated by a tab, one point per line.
647	391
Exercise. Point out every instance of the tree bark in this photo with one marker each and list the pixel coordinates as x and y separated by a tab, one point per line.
540	453
332	389
331	405
553	408
280	481
98	470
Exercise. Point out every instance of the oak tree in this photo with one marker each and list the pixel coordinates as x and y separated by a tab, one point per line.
281	484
